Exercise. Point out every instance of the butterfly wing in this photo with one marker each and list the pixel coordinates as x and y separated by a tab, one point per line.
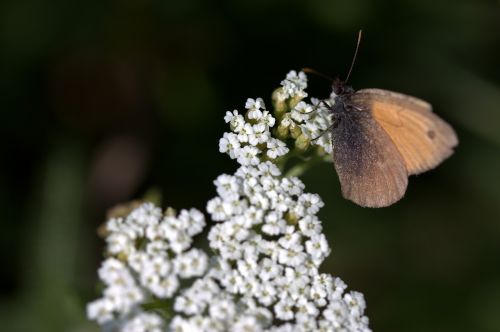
372	172
423	139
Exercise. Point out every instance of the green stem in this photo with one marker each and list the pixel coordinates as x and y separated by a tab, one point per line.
302	167
297	170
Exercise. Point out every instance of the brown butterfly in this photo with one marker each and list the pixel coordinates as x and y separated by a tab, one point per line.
381	137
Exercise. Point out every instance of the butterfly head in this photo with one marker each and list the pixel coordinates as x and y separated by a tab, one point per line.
340	88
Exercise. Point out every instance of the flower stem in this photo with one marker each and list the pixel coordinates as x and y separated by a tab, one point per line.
302	167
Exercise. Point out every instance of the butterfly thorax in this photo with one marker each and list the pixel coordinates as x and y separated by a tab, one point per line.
342	101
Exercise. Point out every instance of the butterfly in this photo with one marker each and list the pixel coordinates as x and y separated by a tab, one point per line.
381	137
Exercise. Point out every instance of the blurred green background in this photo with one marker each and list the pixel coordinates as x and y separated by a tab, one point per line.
102	101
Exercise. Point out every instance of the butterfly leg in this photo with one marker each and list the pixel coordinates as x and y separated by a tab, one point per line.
317	106
333	125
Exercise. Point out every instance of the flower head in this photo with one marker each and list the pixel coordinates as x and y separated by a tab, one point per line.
148	257
266	242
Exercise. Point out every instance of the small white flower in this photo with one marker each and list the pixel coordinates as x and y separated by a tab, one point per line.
260	134
188	305
266	294
219	209
306	309
318	247
293	186
227	187
276	148
100	310
120	243
253	216
284	309
301	112
230	144
190	264
269	269
310	225
295	84
166	287
252	104
179	241
232	282
254	107
245	132
267	119
248	155
291	257
192	221
235	120
356	303
113	271
274	224
291	240
308	204
223	309
144	322
179	324
268	169
146	214
247	324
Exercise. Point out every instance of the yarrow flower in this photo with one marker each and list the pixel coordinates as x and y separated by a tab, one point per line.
251	140
266	241
149	254
266	261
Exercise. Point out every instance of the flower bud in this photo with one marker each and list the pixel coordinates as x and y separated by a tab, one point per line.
170	212
302	142
295	131
293	101
291	218
320	151
282	131
279	103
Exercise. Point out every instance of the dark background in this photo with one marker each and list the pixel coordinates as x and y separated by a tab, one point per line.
105	101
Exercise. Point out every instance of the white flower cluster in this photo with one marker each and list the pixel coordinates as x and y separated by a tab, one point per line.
250	139
265	276
293	86
311	120
267	242
148	254
315	121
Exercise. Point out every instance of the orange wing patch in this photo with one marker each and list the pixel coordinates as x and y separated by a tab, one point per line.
422	138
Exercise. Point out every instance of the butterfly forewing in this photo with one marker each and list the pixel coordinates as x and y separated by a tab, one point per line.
422	138
372	172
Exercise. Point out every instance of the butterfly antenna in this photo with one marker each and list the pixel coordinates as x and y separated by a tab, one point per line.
355	55
317	73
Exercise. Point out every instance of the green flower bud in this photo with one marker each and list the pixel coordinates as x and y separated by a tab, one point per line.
282	131
322	153
302	142
295	131
170	212
291	218
279	104
122	257
292	102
